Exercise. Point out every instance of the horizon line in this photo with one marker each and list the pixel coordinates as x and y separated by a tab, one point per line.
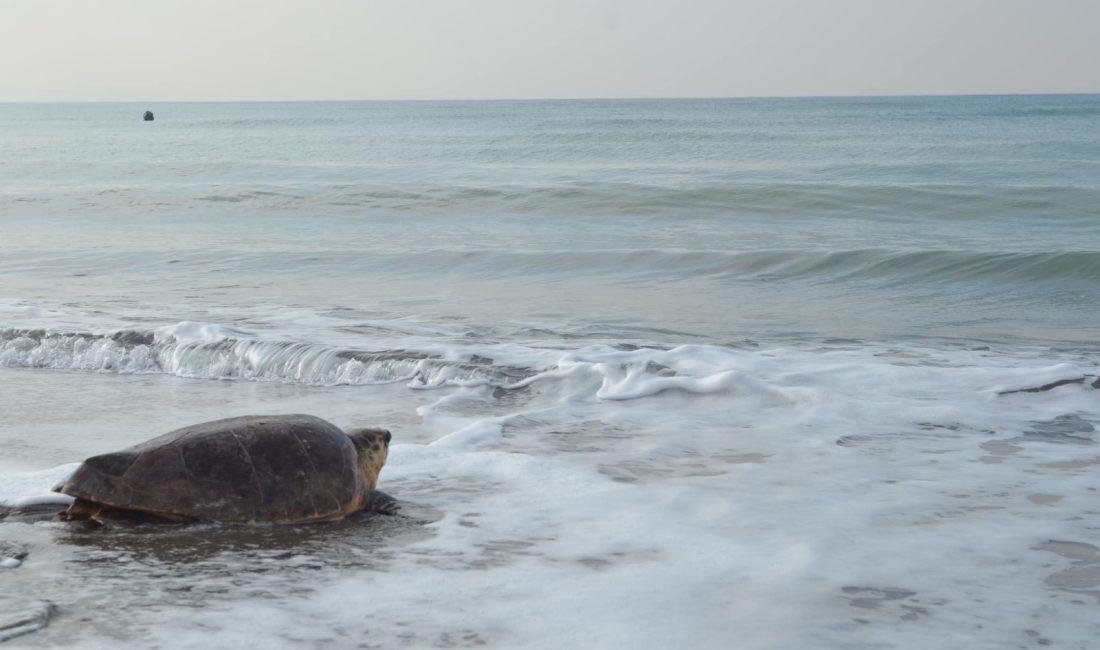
551	99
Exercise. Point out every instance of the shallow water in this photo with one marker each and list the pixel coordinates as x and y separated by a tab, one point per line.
704	373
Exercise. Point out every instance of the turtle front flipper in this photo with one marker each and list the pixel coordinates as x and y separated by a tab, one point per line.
381	502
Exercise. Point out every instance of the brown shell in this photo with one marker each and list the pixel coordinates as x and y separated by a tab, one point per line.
252	469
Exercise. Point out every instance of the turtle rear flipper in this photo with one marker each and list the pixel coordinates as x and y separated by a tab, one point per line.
122	517
80	509
85	510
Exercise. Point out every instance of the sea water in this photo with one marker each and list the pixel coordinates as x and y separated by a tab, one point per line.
705	373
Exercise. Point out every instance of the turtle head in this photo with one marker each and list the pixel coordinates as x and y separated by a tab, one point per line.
371	445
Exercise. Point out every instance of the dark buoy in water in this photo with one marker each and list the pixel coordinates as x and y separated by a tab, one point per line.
148	117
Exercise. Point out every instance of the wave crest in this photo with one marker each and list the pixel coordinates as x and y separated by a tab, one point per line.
150	352
207	351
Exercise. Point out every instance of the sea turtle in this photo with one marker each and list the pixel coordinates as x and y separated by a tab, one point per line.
281	469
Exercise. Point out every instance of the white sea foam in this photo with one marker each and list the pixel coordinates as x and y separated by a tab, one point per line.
28	489
195	332
837	497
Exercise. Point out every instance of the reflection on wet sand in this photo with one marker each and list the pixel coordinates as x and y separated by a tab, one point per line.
76	574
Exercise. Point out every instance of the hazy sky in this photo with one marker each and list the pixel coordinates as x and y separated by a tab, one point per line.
145	50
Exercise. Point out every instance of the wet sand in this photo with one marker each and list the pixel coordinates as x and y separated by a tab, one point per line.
77	579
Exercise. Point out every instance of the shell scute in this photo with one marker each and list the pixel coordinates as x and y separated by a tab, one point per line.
114	464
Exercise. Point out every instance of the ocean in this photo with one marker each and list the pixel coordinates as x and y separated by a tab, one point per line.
707	373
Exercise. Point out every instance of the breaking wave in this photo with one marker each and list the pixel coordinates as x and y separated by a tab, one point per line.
153	352
206	351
